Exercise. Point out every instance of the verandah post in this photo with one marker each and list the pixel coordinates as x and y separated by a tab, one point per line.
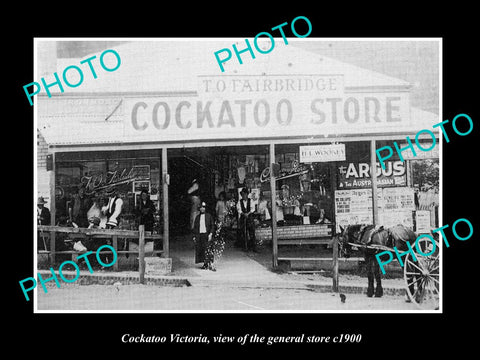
166	240
52	211
373	177
335	264
274	208
141	253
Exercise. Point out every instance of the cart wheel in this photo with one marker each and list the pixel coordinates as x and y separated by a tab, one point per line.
422	277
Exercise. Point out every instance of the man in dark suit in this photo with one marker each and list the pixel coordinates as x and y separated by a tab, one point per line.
43	214
245	220
203	228
43	218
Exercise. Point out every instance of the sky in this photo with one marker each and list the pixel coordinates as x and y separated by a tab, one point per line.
416	62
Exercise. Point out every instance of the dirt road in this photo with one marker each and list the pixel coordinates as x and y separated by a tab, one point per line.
193	298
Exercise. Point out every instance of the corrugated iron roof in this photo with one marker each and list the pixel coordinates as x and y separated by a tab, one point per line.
173	65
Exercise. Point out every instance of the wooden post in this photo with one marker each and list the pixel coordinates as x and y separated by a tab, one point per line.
407	172
115	246
52	211
335	264
166	240
373	176
274	208
141	253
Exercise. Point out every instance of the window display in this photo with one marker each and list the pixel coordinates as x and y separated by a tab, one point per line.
98	175
304	193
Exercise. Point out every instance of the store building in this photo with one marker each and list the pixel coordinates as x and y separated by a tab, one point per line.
168	116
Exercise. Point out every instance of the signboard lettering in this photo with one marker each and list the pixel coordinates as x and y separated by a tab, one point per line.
297	169
111	179
357	175
331	85
322	153
162	116
248	106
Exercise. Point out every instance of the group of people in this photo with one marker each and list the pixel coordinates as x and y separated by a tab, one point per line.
203	224
105	213
93	212
98	212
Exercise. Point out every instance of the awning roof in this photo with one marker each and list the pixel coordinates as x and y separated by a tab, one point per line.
173	65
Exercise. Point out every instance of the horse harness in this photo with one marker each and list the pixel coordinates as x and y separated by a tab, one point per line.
376	230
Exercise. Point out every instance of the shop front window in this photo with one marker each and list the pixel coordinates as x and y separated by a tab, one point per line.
304	191
96	176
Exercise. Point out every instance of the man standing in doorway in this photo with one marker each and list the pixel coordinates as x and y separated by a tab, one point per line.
203	228
245	213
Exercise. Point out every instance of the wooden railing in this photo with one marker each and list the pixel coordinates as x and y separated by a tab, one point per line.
49	232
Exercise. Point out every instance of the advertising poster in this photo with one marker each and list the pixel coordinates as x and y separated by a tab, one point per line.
357	175
395	206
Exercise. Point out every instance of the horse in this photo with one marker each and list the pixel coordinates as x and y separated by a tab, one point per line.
367	235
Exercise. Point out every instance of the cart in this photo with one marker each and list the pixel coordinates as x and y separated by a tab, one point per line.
422	277
421	274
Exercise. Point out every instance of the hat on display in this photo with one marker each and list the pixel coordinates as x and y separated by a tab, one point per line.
41	200
194	187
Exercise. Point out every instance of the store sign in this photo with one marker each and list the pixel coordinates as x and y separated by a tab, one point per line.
296	169
322	153
357	175
248	85
111	179
240	107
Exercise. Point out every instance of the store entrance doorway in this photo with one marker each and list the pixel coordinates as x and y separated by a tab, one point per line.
215	169
185	167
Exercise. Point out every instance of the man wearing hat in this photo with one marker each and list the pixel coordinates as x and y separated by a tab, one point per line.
245	209
43	214
43	218
203	228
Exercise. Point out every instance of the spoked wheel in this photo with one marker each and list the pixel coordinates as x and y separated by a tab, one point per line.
422	277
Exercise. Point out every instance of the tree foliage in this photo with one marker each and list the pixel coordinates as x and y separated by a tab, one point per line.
426	174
